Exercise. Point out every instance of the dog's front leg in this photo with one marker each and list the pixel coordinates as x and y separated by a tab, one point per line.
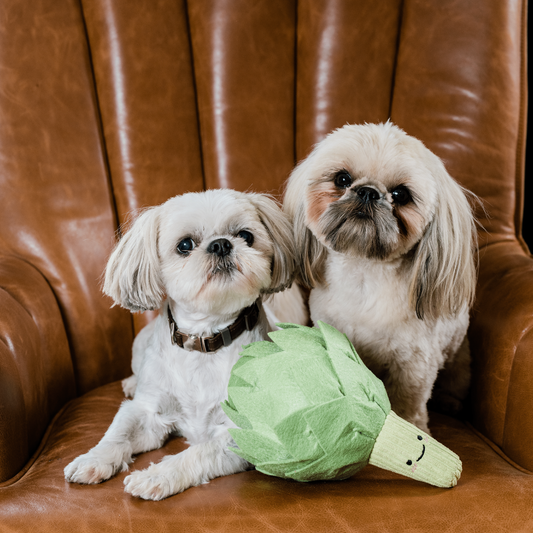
134	429
175	473
409	383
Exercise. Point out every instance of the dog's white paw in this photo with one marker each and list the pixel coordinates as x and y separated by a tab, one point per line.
129	386
90	468
153	483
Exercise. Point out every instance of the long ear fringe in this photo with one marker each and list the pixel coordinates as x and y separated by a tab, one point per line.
132	276
279	230
444	269
310	253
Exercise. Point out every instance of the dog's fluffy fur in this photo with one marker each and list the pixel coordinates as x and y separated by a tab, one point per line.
386	240
178	391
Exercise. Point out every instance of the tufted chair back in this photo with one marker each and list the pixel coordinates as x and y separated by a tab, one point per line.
108	106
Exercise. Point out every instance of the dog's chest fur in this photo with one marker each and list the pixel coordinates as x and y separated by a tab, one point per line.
369	301
185	388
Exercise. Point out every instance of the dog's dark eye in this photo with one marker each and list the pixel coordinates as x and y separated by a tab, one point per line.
247	236
185	246
401	195
343	180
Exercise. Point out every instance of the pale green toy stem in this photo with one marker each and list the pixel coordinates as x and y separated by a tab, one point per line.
399	447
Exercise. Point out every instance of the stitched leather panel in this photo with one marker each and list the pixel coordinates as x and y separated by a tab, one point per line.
346	60
56	210
459	88
244	64
36	373
144	78
500	342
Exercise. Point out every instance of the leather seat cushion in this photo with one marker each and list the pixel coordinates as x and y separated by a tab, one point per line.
491	494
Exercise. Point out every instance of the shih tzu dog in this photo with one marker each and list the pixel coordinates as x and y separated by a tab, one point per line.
205	260
386	240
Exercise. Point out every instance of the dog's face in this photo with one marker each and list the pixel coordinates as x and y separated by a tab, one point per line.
214	252
369	192
373	191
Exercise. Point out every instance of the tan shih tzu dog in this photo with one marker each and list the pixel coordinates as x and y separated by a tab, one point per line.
386	241
205	260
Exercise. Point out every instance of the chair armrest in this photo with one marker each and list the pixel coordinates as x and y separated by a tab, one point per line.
36	374
501	339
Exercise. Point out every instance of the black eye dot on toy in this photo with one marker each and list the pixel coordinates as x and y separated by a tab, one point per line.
419	437
409	463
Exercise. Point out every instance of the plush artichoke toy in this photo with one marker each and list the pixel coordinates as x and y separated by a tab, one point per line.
307	408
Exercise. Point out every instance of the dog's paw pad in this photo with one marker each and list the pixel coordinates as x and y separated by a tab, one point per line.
149	485
89	470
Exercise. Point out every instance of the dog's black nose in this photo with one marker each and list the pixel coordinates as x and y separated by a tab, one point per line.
368	194
220	247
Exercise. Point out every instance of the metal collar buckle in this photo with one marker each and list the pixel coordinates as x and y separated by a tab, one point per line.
190	344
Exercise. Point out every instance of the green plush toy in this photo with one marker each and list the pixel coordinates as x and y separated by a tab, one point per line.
307	408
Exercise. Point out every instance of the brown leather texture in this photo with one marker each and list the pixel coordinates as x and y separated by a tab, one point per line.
460	87
491	495
244	57
345	66
501	342
36	372
109	106
56	210
143	70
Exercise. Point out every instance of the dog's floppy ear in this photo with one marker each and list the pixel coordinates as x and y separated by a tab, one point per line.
279	230
310	253
132	276
444	268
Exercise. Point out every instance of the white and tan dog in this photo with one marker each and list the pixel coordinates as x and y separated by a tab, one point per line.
386	241
206	260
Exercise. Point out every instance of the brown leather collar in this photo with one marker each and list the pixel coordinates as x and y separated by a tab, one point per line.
245	321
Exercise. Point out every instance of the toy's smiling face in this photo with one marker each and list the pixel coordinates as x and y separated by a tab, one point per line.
403	448
414	464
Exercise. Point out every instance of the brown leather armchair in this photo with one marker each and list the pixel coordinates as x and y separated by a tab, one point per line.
110	105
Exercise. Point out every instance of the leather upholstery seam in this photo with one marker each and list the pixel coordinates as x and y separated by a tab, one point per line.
295	95
56	299
511	239
497	449
105	154
396	56
195	87
524	333
100	121
33	459
505	419
521	137
46	434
